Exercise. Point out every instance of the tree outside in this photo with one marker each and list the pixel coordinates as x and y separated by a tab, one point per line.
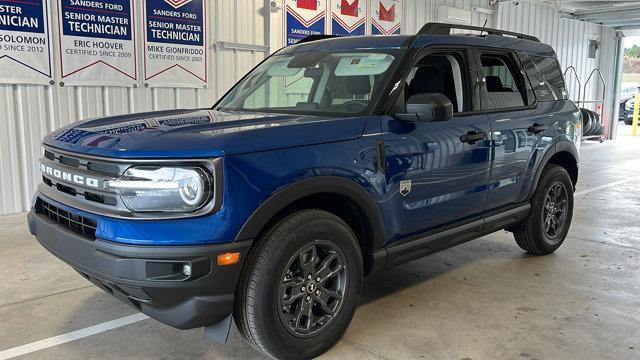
631	69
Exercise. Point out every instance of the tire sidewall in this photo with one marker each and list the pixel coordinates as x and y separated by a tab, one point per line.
555	174
267	318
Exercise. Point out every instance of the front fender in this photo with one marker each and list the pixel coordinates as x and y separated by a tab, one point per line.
311	186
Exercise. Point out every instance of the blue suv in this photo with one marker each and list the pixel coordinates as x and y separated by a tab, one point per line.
331	159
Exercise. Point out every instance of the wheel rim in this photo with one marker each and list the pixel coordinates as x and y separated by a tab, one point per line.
555	211
312	288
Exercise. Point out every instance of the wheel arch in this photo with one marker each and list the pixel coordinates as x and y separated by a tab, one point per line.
342	197
563	153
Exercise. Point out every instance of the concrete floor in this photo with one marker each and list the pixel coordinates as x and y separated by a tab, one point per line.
482	300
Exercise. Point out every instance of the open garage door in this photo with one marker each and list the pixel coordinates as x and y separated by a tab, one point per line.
587	37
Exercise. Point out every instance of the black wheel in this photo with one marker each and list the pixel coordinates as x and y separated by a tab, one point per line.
551	211
301	286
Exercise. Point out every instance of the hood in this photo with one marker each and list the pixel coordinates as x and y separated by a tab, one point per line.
199	133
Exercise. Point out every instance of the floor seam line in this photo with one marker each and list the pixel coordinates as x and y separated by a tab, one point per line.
360	347
44	296
604	243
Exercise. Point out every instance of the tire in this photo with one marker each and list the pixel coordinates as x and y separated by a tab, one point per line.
586	121
599	130
261	311
593	122
532	235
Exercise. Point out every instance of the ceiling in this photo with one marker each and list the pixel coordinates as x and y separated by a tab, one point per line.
624	15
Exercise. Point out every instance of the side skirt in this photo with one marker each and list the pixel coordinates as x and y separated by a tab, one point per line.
455	234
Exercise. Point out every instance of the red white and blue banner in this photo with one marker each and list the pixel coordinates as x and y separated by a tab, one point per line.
386	17
304	18
348	17
97	42
25	42
175	46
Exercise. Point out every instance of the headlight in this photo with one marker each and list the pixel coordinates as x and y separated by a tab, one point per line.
163	189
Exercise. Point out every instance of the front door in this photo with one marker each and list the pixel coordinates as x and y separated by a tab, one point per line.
437	172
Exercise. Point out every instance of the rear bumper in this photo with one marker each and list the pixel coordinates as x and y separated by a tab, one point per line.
150	278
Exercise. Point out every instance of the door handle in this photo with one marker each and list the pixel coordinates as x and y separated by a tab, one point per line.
472	137
536	128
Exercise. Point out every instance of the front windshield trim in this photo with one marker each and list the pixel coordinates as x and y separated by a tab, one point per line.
375	96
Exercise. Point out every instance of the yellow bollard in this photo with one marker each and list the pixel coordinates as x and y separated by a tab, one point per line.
636	110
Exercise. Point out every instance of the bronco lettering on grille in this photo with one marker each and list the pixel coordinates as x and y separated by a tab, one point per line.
70	177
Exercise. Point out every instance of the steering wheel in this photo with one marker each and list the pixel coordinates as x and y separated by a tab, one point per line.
355	105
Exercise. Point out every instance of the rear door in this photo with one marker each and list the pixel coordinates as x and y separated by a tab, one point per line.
520	125
433	177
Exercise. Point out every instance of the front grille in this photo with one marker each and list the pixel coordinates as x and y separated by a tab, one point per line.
88	195
78	224
59	168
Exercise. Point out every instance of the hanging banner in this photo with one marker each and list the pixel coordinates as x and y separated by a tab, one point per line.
386	17
97	42
25	42
175	52
348	17
304	18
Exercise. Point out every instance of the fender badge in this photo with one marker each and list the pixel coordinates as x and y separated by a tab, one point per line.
405	187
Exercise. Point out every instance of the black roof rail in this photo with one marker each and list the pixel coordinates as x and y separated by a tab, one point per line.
310	38
445	29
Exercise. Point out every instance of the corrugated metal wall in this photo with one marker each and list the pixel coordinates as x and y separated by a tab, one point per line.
419	12
28	112
569	38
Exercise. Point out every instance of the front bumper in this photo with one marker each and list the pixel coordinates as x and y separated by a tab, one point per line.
149	278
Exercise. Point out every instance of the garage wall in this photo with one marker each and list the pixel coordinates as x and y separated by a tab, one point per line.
241	36
419	12
28	112
569	38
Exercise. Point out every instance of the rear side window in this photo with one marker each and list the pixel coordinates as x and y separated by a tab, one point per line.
549	69
543	91
505	84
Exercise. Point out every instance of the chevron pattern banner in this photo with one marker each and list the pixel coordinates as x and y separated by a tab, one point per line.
304	18
348	17
386	17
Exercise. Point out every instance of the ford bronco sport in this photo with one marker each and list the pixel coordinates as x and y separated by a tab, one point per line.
329	160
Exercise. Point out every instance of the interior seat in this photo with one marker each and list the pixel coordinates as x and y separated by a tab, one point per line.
426	80
501	97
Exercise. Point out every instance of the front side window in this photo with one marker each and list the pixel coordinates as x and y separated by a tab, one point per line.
332	83
442	73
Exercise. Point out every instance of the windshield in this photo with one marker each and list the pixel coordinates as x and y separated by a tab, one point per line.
315	83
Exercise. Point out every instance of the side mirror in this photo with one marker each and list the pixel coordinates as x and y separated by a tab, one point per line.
427	107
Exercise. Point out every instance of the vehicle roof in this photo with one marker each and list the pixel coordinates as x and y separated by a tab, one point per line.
398	41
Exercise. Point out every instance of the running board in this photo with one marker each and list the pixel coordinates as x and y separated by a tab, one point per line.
456	234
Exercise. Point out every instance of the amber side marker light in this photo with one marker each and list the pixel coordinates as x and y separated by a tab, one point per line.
229	258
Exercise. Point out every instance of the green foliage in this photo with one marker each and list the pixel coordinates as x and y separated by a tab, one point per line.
633	51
